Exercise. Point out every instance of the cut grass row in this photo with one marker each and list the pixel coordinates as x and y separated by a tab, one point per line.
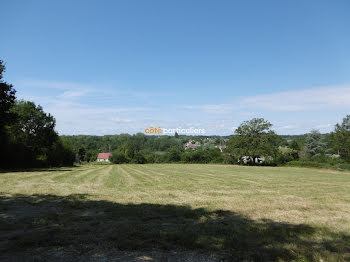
248	212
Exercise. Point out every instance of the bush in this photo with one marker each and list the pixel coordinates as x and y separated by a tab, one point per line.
160	158
230	159
174	154
118	158
60	155
139	158
150	157
202	156
305	164
330	163
282	159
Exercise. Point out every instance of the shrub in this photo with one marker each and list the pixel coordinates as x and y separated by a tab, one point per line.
330	163
139	158
118	158
174	154
230	159
60	155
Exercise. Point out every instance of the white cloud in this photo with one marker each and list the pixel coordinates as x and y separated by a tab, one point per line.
85	109
119	120
72	94
289	127
59	85
323	126
331	97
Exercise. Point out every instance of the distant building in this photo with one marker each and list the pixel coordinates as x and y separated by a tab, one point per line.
192	145
103	157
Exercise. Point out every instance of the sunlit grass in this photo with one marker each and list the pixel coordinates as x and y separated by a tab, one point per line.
283	213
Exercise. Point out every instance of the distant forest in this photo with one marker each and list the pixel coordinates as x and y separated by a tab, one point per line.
88	146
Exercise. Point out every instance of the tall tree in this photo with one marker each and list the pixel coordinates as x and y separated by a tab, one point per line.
341	138
34	128
314	143
254	138
27	135
7	101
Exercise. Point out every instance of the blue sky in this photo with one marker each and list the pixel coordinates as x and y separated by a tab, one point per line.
110	67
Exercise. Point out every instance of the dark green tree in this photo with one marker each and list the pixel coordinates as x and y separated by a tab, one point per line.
118	157
340	138
27	135
174	154
254	138
139	158
33	128
294	145
60	155
82	153
7	101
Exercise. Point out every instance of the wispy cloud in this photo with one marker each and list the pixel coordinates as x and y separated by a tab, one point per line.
323	126
84	108
288	127
72	94
331	97
59	85
81	108
119	120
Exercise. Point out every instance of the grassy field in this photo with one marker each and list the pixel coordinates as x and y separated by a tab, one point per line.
175	212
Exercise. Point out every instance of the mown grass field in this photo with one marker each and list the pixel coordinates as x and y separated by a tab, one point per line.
175	212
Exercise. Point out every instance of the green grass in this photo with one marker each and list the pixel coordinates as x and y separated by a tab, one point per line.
330	164
235	212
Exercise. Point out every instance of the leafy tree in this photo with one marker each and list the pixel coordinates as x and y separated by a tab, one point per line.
27	135
215	156
118	157
7	101
174	154
202	156
340	138
218	141
314	144
194	156
82	153
139	158
254	139
60	155
34	128
294	145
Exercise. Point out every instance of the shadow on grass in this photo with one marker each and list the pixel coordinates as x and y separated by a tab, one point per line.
42	169
28	222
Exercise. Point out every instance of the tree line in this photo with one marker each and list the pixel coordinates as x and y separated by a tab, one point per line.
253	140
27	134
28	139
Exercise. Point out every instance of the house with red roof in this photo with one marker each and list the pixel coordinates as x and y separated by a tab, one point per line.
103	157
